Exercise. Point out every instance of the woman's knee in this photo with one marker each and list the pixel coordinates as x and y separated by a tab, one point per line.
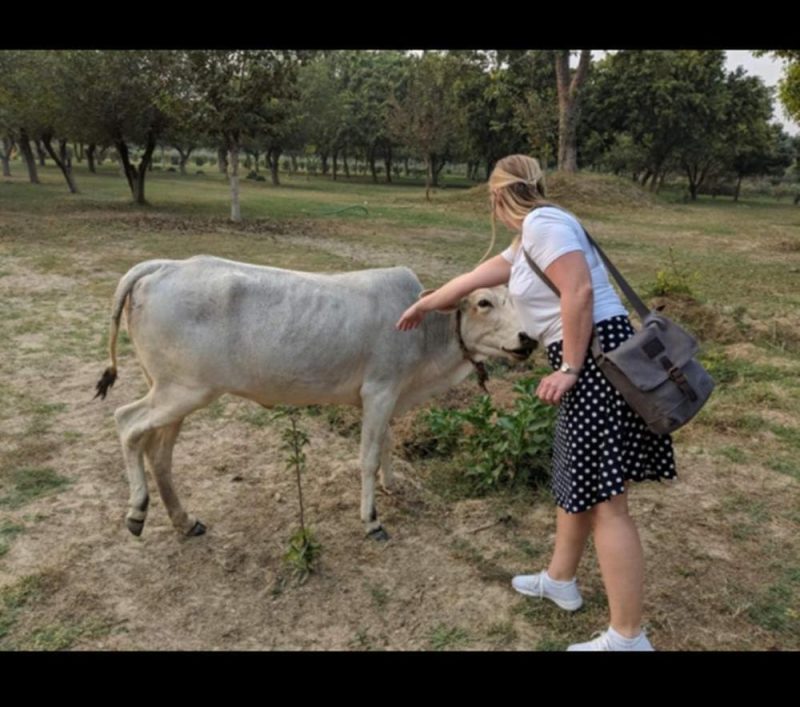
612	508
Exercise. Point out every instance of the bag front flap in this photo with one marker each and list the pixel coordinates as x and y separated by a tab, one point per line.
648	356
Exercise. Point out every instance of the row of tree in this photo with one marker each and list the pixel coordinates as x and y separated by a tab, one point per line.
647	114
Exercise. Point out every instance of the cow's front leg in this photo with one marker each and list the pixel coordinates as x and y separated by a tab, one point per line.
378	406
385	475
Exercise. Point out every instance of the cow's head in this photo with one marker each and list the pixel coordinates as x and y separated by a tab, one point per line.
490	325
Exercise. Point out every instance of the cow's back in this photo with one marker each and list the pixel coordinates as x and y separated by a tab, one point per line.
266	332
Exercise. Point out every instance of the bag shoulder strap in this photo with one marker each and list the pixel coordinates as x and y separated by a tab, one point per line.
640	307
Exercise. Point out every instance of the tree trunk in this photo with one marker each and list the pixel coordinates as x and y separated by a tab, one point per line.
387	161
27	154
77	148
233	172
372	167
274	155
222	160
661	180
433	168
323	156
145	164
346	166
183	158
438	171
62	161
40	152
8	145
738	188
405	164
429	176
90	157
568	106
693	183
128	170
335	164
295	170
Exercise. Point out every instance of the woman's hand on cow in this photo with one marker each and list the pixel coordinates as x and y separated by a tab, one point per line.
411	318
552	388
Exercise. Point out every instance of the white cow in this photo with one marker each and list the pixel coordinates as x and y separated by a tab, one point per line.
206	326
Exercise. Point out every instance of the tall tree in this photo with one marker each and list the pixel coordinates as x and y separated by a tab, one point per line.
232	90
17	78
428	119
569	95
122	98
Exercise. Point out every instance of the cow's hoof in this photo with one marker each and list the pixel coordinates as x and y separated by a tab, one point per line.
197	529
379	534
135	526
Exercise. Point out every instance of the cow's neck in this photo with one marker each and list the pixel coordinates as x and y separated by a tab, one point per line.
446	363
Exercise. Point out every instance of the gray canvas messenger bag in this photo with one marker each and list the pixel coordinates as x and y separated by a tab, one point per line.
655	370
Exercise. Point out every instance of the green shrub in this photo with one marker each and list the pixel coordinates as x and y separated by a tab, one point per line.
498	448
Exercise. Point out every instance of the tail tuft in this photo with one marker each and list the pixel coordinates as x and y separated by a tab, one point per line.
109	376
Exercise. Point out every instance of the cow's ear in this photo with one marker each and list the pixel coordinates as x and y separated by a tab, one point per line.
444	310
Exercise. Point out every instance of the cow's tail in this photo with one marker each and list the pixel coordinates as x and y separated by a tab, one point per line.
123	290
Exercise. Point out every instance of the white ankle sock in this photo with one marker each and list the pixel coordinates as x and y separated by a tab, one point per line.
624	640
557	582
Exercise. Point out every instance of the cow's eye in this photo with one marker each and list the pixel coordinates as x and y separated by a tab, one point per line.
485	303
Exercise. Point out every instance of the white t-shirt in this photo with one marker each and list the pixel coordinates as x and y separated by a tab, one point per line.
547	234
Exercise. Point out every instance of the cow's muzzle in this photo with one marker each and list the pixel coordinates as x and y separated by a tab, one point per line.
526	348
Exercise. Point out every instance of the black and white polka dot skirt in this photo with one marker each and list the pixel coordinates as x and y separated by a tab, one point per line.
600	442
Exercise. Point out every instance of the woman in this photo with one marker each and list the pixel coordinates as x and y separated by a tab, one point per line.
600	443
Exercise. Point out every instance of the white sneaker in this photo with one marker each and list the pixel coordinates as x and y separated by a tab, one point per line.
606	642
536	585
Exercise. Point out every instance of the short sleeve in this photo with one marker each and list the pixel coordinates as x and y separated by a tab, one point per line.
547	236
508	254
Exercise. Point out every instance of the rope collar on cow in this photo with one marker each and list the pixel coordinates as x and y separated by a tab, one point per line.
480	368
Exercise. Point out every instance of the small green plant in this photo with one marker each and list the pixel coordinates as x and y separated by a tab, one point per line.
673	281
304	550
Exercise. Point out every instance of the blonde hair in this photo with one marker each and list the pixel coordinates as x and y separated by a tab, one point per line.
516	185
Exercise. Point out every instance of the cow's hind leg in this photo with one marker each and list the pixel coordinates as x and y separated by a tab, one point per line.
378	407
158	453
162	406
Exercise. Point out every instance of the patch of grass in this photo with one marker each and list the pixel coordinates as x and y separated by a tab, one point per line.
216	410
7	532
343	419
502	634
60	636
527	548
363	641
784	465
443	637
29	483
776	609
14	598
488	569
789	435
380	597
549	642
733	453
256	416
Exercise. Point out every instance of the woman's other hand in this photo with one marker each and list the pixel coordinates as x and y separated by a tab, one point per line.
552	388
